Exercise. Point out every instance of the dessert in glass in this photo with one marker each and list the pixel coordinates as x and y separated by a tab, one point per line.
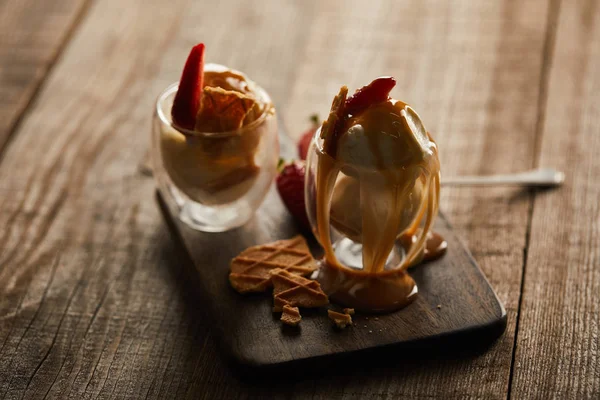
372	189
214	146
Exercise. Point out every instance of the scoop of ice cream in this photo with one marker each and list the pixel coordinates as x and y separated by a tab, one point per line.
387	135
210	170
346	217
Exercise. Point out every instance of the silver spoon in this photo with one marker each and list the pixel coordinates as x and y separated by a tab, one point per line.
543	177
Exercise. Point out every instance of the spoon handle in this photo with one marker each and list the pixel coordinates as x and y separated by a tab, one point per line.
543	177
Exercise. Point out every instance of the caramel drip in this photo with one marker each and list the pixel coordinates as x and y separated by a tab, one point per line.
435	248
326	176
380	224
432	208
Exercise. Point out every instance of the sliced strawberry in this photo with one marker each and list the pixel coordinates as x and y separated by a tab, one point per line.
304	142
290	184
187	100
375	92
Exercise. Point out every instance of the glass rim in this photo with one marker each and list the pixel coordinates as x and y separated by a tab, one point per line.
172	88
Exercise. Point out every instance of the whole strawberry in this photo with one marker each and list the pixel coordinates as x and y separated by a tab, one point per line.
290	185
305	139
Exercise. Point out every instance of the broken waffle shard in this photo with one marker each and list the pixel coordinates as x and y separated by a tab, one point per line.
251	269
296	291
291	316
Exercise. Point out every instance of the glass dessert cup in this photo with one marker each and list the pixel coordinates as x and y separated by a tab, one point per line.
215	180
373	224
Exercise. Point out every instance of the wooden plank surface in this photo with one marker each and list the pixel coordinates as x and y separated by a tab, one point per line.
559	331
32	34
94	298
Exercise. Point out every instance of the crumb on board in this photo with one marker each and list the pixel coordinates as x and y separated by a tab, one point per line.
291	315
340	320
439	306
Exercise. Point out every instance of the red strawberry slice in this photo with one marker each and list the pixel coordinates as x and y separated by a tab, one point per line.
290	184
304	142
375	92
187	100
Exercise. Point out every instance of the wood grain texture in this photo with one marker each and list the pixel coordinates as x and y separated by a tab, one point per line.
559	336
95	301
31	36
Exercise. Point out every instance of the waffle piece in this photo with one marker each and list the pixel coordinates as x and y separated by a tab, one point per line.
340	320
291	315
223	110
296	291
250	270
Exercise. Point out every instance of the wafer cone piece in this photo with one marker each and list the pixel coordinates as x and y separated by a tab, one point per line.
250	270
291	315
296	291
223	110
340	320
283	280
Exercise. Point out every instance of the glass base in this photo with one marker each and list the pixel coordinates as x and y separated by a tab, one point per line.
349	253
210	218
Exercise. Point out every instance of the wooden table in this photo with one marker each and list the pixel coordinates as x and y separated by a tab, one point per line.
94	298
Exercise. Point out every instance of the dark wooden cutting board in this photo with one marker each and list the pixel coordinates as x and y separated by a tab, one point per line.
455	304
